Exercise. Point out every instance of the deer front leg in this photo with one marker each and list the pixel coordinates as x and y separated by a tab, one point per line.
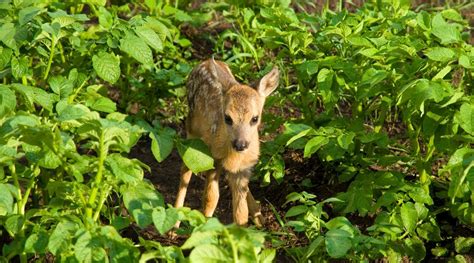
239	187
254	210
186	174
211	192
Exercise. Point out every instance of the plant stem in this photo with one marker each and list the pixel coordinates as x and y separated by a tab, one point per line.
98	177
51	55
235	256
102	198
12	168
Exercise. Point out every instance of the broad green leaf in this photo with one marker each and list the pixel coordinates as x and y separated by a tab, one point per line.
209	253
137	48
150	37
162	30
415	248
69	112
452	15
7	101
345	140
198	238
140	200
409	216
423	20
162	142
465	117
19	67
107	66
89	249
102	104
61	237
14	224
6	200
296	210
440	54
5	56
7	35
196	155
448	33
125	169
37	242
36	95
105	18
164	219
338	242
27	14
267	255
463	244
61	86
314	144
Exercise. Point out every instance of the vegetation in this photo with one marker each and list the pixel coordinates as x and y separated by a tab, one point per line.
380	97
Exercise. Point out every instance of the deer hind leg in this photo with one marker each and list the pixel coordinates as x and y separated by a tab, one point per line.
239	188
211	192
186	174
254	210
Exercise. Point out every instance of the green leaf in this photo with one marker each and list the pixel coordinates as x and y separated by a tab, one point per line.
200	238
164	219
338	242
409	216
150	37
105	18
61	237
296	210
162	142
209	253
465	117
102	104
314	144
162	30
5	56
196	155
7	101
137	49
19	67
61	86
14	224
440	54
36	95
446	32
7	35
37	242
69	112
107	66
27	14
6	200
463	244
89	249
345	140
126	170
140	200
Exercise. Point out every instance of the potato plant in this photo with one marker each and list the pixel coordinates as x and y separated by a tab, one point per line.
381	96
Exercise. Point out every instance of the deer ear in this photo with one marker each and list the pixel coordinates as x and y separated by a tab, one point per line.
269	82
222	73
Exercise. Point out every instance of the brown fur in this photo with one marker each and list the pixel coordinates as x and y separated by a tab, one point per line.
214	95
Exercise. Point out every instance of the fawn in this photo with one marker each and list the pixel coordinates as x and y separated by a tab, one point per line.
225	115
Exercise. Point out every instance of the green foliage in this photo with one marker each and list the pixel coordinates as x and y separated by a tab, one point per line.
383	97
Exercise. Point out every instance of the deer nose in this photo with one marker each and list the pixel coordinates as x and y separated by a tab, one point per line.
240	145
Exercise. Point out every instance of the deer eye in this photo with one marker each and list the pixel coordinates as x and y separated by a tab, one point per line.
228	119
254	120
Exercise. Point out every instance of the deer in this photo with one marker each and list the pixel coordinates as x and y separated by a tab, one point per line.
226	115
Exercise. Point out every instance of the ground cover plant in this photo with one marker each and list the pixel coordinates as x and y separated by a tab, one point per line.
368	141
